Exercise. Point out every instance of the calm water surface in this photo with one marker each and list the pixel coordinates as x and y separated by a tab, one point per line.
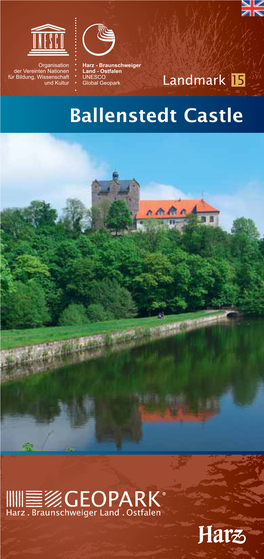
198	391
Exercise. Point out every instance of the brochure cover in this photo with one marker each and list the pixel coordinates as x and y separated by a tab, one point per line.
132	268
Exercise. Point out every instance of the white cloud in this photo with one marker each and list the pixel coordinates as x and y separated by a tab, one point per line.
43	167
246	201
40	166
157	191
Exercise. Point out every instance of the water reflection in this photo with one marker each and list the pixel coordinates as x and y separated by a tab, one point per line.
153	396
179	412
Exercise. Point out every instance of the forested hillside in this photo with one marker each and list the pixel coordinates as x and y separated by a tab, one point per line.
59	270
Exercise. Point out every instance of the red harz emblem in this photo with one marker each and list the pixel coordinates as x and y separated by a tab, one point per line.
252	8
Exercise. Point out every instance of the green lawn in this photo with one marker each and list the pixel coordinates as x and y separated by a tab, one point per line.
31	336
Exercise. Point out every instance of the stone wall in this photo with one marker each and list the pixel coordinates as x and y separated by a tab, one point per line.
19	356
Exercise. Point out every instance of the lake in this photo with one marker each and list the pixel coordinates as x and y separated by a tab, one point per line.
201	390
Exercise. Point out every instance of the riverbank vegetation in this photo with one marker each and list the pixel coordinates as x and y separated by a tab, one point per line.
61	271
32	336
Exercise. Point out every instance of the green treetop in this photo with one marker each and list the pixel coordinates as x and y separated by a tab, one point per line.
118	218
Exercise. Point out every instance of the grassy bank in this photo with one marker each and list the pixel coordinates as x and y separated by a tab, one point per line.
32	336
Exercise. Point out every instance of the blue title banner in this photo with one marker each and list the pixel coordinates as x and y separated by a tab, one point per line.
132	114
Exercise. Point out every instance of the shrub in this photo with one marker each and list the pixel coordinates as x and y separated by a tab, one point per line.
73	315
97	313
116	300
25	307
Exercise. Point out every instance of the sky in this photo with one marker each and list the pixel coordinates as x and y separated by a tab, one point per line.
227	170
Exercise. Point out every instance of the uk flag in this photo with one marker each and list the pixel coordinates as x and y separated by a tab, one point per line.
252	8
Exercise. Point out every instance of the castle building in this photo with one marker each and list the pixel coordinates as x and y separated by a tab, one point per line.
173	213
115	189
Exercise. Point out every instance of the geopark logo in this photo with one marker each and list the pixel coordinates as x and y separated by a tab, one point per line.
95	37
82	503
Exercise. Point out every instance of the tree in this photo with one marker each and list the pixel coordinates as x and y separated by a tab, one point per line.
66	251
251	300
75	215
25	307
80	274
116	300
118	218
152	285
7	282
192	234
97	313
98	214
223	291
15	226
243	226
29	267
73	315
245	236
250	282
182	277
39	214
155	235
201	281
86	246
130	274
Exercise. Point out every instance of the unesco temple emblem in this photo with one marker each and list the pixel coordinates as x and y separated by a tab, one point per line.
48	40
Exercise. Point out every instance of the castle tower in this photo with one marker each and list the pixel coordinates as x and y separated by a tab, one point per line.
108	191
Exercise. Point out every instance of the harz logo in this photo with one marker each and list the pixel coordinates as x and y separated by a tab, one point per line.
48	40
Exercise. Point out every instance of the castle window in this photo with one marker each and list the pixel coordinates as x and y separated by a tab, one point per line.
160	212
203	219
149	213
211	218
172	211
183	212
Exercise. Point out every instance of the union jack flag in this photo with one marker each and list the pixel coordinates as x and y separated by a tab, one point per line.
252	8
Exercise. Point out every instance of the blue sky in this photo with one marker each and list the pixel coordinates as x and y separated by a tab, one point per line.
227	169
196	162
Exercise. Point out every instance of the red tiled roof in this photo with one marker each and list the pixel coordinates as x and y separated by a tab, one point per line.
190	206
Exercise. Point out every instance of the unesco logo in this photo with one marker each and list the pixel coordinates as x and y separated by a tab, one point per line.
48	40
98	40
